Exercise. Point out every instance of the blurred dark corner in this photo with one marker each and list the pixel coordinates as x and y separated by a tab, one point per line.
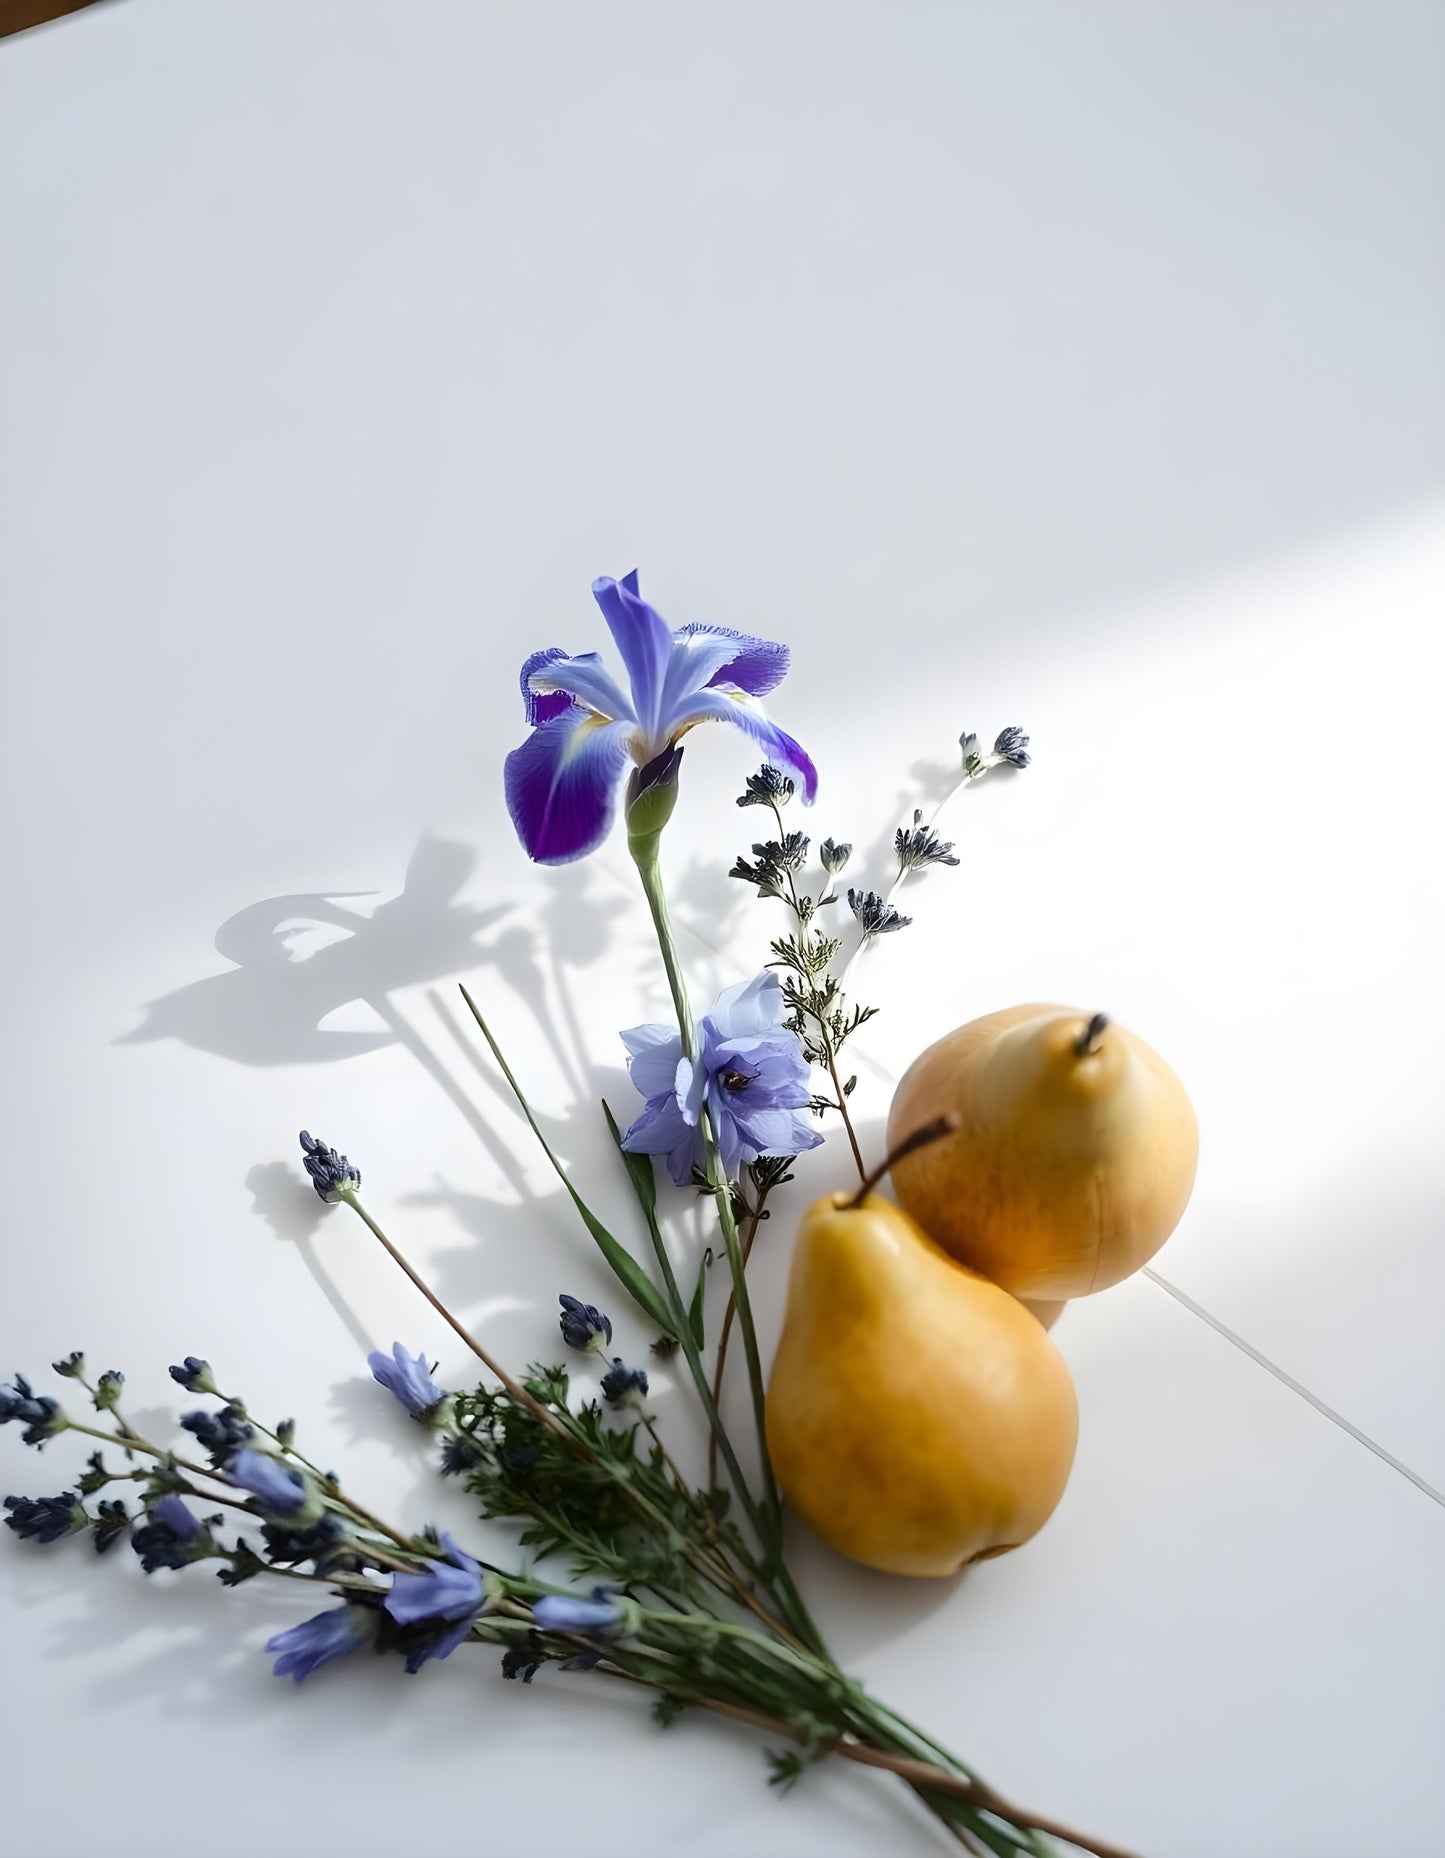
20	15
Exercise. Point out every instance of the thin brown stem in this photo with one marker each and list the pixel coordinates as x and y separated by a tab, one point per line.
920	1775
714	1568
843	1104
513	1386
921	1138
755	1218
667	1458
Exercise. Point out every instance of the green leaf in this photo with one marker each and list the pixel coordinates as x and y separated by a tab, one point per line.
639	1168
626	1269
695	1308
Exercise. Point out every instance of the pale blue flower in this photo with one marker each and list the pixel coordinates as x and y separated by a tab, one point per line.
277	1488
321	1639
408	1377
450	1593
749	1071
571	1613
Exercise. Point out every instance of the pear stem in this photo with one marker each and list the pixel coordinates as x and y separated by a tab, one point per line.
1088	1040
921	1138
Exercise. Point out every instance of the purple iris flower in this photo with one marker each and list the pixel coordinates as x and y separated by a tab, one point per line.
749	1071
562	781
267	1478
408	1377
318	1640
450	1594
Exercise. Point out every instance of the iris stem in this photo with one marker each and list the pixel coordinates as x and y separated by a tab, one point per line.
644	848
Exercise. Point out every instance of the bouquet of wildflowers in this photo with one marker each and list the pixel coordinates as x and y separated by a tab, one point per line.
625	1570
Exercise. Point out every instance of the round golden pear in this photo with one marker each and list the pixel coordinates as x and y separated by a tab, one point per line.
918	1417
1073	1157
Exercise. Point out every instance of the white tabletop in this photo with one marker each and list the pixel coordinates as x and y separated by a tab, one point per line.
1080	367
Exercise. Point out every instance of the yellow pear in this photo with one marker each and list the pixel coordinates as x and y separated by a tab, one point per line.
1073	1158
918	1417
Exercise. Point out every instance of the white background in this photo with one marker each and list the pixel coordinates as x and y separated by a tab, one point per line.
1081	366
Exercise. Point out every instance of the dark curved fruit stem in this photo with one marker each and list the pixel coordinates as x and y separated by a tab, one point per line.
1088	1040
930	1132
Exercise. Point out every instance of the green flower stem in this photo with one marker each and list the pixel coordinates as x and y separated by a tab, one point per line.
755	1219
687	1342
645	854
337	1498
288	1451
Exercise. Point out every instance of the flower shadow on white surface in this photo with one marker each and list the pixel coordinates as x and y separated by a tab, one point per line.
270	1008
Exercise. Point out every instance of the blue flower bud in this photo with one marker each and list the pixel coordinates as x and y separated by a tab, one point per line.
195	1376
272	1483
38	1413
598	1616
46	1519
220	1433
1012	745
171	1537
584	1326
624	1386
332	1175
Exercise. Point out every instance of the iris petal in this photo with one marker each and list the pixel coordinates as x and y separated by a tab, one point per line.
754	665
746	713
583	677
540	705
645	643
562	784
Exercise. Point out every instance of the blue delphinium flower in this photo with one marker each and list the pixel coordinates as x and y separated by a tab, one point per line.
277	1487
562	782
450	1594
584	1326
332	1175
319	1640
749	1071
46	1519
569	1613
38	1413
624	1386
170	1537
409	1378
195	1375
